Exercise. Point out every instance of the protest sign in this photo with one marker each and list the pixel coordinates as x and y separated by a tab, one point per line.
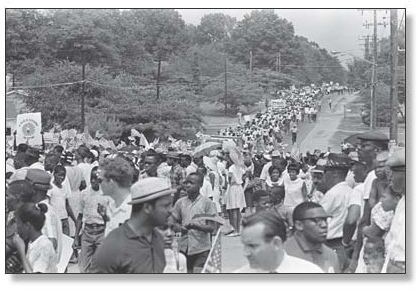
29	127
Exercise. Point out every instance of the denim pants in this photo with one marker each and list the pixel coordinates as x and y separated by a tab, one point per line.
91	239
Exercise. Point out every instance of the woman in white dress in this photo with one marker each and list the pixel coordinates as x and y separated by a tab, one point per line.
295	187
40	256
234	197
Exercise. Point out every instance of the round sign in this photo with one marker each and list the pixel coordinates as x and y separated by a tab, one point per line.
28	129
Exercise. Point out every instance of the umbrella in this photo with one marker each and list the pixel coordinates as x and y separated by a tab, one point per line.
205	148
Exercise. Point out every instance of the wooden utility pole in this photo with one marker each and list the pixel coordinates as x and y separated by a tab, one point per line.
373	112
251	61
226	88
279	62
83	77
158	78
394	74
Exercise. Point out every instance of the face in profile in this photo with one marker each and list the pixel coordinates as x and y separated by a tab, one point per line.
162	210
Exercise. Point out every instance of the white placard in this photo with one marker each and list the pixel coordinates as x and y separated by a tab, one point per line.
28	129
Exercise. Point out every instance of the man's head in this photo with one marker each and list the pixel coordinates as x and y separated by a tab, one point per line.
277	194
193	183
59	174
382	171
335	167
40	181
261	200
58	150
51	160
263	235
31	156
310	221
151	163
359	171
95	179
115	173
152	200
185	160
18	192
371	143
396	162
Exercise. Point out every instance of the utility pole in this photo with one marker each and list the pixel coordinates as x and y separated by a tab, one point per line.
279	62
251	61
83	77
394	74
226	88
158	78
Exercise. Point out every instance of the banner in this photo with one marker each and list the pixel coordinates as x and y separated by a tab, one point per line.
28	130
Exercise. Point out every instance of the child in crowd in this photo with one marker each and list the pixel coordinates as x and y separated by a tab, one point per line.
40	256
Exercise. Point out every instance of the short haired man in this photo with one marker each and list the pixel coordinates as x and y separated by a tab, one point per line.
151	163
195	242
116	179
311	227
263	236
137	246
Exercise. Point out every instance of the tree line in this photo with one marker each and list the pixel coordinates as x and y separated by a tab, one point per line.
148	69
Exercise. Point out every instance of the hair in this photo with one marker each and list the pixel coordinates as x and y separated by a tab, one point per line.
271	168
84	152
31	156
187	157
52	158
299	211
258	194
22	147
22	189
32	213
277	194
94	169
378	242
293	166
273	224
135	175
59	149
59	167
119	170
201	178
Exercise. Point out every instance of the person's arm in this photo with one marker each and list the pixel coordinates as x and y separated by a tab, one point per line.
78	226
20	246
304	192
70	211
350	223
373	198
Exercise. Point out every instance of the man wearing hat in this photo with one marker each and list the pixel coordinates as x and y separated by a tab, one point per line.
336	199
40	181
195	242
371	144
395	239
276	160
137	246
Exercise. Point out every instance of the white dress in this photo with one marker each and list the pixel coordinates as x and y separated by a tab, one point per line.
234	197
293	192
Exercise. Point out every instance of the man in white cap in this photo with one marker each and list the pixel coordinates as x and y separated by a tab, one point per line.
276	160
136	246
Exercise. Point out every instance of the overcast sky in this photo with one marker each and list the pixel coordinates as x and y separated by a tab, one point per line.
332	29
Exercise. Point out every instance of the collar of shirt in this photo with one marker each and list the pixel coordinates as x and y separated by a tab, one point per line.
122	207
132	234
306	246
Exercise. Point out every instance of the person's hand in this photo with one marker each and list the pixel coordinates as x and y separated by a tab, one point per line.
19	243
101	210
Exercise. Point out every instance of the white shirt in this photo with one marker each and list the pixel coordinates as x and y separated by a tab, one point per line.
289	264
368	182
395	239
41	255
52	227
356	198
118	215
57	200
37	165
335	204
86	171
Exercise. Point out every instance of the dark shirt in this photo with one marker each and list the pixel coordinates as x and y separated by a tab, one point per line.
123	252
324	257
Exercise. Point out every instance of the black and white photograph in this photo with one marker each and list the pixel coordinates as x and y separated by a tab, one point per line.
202	141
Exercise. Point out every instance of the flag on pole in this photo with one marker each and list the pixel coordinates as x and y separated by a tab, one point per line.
213	263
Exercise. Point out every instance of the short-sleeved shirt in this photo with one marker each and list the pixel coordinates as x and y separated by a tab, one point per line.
58	197
123	251
395	239
88	205
368	182
52	227
324	257
118	215
184	212
335	204
41	255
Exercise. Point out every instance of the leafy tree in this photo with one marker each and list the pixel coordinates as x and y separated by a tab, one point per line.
216	27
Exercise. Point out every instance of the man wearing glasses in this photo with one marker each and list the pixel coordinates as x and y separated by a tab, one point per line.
308	241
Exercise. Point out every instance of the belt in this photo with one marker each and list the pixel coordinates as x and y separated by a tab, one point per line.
94	225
